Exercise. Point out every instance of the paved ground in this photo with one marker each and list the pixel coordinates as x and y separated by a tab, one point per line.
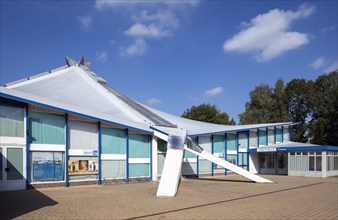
229	197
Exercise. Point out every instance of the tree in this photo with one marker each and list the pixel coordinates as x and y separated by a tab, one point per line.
297	92
323	103
208	113
279	111
259	109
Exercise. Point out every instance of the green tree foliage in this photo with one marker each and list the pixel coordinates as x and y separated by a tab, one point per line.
296	94
208	113
313	103
323	104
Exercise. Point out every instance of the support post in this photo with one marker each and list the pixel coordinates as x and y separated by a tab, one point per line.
99	154
127	155
151	156
27	148
247	152
212	152
225	151
67	152
197	161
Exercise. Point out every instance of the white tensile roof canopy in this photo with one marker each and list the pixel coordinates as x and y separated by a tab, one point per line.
75	87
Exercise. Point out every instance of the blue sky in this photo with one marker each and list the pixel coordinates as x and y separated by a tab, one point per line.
172	55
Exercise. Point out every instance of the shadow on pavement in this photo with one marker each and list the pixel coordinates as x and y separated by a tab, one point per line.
16	203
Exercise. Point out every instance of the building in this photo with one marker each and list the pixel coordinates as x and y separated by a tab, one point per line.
68	127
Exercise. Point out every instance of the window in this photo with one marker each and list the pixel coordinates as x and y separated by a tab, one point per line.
139	146
232	158
231	142
47	128
332	161
47	166
11	121
113	141
279	137
243	140
262	137
219	146
83	135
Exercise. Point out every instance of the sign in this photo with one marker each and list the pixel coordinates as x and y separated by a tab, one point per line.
90	152
80	167
281	149
266	149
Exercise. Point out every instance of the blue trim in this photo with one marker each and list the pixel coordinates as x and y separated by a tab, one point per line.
127	155
247	154
275	135
267	136
303	148
67	152
27	149
282	134
72	112
99	154
242	129
225	151
197	161
212	152
289	133
156	129
151	157
237	146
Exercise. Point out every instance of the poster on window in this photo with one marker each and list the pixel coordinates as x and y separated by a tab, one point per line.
47	166
80	167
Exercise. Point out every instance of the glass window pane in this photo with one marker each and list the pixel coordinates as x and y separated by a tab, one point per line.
292	162
83	135
11	121
113	169
263	161
47	128
243	140
298	162
188	154
305	163
139	170
311	163
336	163
15	163
139	146
279	135
219	145
231	142
253	139
262	137
113	141
318	163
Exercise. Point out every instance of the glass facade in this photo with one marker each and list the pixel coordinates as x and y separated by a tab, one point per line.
47	128
11	121
113	141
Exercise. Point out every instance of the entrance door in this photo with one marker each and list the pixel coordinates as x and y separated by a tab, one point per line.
12	168
282	163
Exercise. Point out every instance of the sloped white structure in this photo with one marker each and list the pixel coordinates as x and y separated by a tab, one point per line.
46	115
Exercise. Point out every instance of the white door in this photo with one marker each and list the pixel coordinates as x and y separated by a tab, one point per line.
12	174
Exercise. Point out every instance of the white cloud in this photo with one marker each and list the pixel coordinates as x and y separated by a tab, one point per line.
324	30
101	56
152	19
153	101
332	67
163	18
86	22
137	48
318	63
267	34
141	30
213	92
